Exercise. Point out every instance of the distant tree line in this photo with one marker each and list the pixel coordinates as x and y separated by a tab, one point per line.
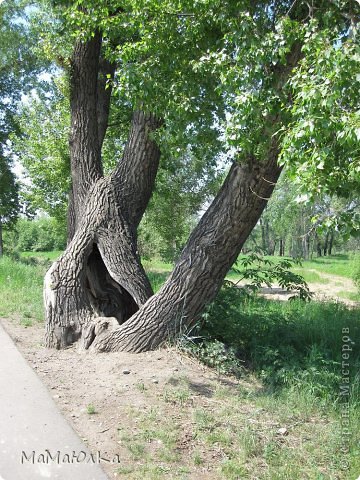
39	235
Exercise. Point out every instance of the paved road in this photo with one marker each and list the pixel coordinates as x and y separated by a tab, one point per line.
36	442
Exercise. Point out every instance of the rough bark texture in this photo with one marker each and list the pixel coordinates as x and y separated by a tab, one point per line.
97	293
211	250
99	280
99	275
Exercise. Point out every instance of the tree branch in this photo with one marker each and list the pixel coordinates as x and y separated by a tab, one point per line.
136	171
104	90
85	153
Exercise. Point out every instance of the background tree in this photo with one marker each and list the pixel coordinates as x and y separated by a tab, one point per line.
297	226
18	68
9	198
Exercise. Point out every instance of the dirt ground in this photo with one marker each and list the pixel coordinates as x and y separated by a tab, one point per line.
107	398
322	291
118	386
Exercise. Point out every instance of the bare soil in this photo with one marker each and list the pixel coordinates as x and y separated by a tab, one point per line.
122	388
322	291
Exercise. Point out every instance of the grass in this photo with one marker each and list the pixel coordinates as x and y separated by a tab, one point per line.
354	296
333	264
51	256
157	266
290	377
21	290
234	434
339	264
286	343
310	276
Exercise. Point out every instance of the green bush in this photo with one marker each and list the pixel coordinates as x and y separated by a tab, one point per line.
42	235
217	355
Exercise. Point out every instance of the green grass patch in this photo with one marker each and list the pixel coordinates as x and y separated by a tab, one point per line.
157	265
51	256
157	279
333	264
288	344
21	290
353	296
341	264
310	276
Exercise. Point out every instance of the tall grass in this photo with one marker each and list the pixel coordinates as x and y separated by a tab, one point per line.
296	350
288	344
21	290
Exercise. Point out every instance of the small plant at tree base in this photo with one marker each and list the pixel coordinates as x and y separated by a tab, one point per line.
217	355
91	409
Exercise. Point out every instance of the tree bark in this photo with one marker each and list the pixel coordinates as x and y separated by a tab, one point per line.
100	276
97	293
331	242
326	243
211	250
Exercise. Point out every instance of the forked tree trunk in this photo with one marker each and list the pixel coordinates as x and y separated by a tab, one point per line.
100	275
97	293
211	250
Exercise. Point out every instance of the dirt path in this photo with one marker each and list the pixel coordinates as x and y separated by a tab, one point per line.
330	290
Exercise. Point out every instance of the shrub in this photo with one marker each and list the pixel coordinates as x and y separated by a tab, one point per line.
42	235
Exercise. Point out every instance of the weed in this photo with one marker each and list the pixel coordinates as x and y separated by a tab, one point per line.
168	455
124	470
141	387
180	394
26	322
217	355
137	450
233	470
197	459
91	409
251	443
204	421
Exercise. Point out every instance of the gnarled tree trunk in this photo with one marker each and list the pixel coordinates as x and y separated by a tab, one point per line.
97	293
100	276
211	250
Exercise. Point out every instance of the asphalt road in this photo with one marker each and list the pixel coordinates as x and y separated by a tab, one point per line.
36	442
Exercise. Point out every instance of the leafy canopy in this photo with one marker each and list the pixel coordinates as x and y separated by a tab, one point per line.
216	72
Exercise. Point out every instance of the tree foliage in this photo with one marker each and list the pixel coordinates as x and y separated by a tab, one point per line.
211	70
18	65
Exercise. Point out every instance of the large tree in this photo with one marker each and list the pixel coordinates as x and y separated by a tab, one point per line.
235	67
19	67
